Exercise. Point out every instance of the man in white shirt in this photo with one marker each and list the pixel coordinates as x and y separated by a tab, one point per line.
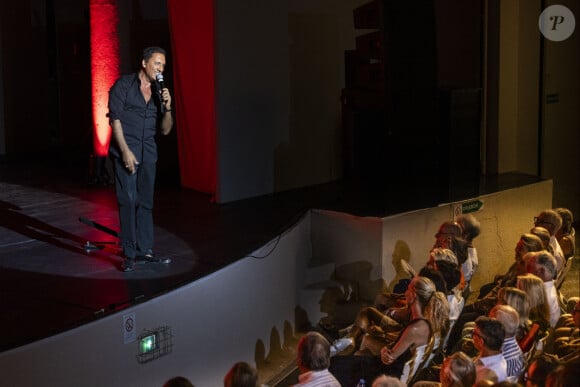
313	361
543	265
471	229
488	337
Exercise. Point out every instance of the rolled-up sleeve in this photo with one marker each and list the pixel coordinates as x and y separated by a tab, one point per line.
117	96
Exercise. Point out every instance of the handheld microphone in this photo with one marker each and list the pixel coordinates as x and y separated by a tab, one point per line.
161	81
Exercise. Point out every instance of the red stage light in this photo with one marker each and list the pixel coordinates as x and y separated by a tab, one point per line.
104	68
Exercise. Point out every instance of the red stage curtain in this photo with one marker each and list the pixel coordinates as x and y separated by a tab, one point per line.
191	26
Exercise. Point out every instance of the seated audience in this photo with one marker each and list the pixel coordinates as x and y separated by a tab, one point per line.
527	243
544	235
449	236
471	229
429	315
510	349
241	375
457	370
178	381
517	299
539	369
387	381
542	264
382	320
488	337
566	235
380	354
313	360
565	341
539	311
552	221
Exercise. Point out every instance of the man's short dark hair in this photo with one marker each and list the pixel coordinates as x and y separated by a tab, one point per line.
149	51
314	351
492	332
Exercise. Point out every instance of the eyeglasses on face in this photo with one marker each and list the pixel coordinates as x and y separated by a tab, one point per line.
538	220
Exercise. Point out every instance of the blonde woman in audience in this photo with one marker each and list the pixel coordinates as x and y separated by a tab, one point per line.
543	265
429	309
517	299
533	286
429	316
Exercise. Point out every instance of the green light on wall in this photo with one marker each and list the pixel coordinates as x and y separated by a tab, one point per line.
147	344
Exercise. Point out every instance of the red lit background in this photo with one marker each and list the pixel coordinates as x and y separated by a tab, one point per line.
104	68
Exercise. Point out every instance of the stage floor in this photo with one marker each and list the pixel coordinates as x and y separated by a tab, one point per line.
50	282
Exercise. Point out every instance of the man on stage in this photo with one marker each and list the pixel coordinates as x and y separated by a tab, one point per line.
139	108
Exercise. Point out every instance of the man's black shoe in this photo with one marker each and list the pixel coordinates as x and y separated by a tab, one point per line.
128	265
150	258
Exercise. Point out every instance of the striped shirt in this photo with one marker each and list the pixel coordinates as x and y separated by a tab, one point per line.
513	356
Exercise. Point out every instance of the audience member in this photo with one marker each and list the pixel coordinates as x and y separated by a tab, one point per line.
510	349
565	341
178	381
387	381
565	375
449	236
429	316
539	311
542	264
488	337
457	370
517	299
471	229
401	314
539	369
313	360
544	236
241	375
527	243
552	221
566	235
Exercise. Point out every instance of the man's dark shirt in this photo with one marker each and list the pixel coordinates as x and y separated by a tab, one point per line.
138	119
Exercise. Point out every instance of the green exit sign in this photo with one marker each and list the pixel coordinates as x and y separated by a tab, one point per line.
472	206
